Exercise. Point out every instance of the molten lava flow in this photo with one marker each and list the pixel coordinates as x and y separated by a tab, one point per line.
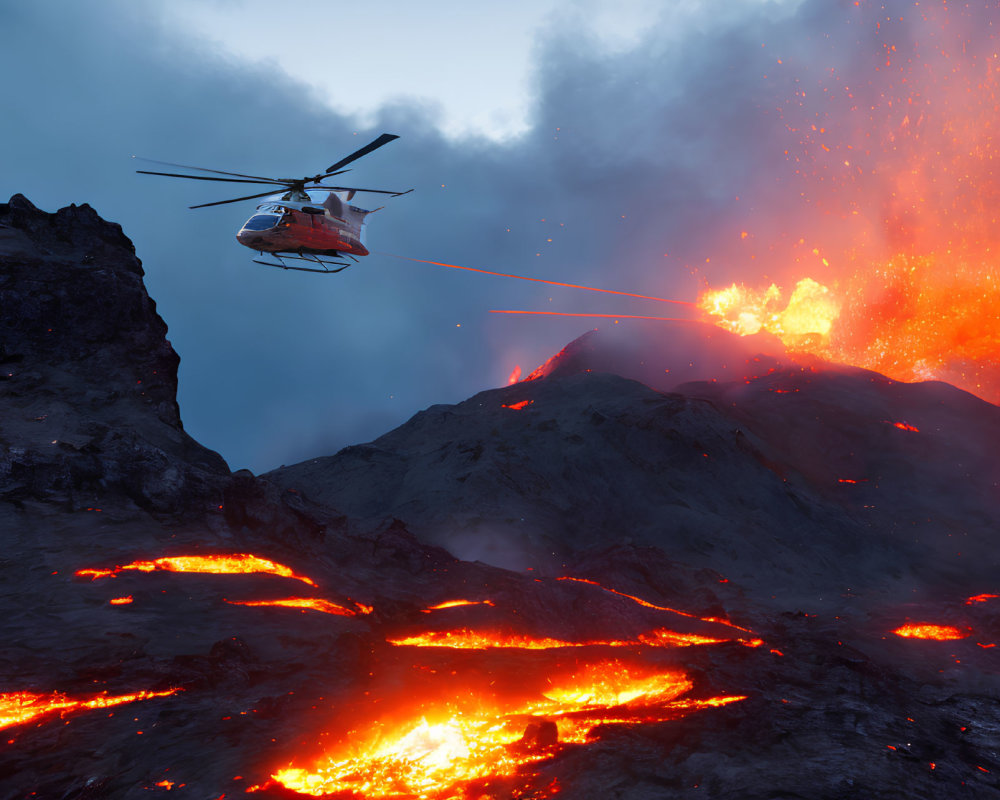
647	604
943	633
437	756
465	639
235	564
16	708
515	375
457	604
519	405
121	601
307	604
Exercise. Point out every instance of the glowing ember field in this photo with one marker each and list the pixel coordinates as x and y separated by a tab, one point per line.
442	755
235	564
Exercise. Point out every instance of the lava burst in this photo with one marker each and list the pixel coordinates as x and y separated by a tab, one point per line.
234	564
890	252
440	755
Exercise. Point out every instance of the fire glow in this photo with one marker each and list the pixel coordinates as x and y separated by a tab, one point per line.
437	755
17	708
235	564
923	630
889	254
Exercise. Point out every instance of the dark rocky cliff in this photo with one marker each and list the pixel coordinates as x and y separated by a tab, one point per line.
89	380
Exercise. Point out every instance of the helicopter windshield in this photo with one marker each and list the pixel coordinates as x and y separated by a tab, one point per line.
261	222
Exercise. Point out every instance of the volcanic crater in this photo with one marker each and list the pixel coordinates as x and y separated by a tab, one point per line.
650	571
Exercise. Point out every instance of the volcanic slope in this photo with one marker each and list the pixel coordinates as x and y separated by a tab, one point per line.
170	626
802	482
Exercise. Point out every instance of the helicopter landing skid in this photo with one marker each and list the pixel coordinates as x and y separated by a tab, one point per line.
322	266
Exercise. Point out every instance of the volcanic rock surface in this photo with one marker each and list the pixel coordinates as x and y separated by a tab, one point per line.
761	535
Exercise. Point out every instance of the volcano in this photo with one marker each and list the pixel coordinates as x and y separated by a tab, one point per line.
674	562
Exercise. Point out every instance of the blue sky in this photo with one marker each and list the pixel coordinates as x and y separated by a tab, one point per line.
553	140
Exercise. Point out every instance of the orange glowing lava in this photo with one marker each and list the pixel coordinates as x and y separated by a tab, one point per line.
235	564
981	598
306	604
519	405
515	375
436	755
457	604
122	601
941	633
648	604
17	708
465	639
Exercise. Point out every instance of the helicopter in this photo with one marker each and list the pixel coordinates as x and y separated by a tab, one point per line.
309	222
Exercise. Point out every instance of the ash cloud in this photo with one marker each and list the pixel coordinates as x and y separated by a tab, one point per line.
640	172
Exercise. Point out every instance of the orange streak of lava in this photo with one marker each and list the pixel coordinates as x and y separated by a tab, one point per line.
942	633
16	708
465	639
237	563
121	601
457	604
647	604
981	598
306	604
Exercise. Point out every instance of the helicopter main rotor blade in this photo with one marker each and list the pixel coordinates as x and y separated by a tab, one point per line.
207	178
357	189
234	200
385	138
204	169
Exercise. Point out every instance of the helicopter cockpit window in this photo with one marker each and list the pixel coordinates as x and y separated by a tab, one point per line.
261	222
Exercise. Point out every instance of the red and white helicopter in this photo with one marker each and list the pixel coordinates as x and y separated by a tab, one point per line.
308	221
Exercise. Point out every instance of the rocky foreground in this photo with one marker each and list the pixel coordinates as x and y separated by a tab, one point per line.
795	514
